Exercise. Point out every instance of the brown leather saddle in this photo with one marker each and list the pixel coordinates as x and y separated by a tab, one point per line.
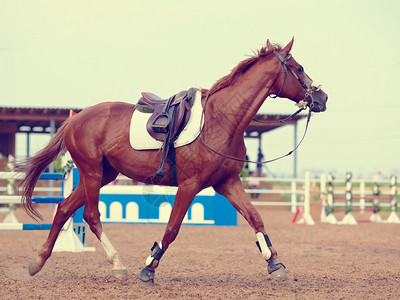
167	121
170	115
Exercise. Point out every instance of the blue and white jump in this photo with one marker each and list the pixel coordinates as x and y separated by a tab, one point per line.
9	199
132	204
149	204
68	239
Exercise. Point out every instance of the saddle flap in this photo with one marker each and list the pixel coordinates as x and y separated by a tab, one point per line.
182	115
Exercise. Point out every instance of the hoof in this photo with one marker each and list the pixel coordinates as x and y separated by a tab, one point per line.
277	268
33	268
280	273
146	277
149	283
120	274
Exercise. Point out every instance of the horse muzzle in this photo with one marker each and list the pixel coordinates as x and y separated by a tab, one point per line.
318	103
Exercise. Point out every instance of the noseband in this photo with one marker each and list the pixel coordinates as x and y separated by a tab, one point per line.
308	90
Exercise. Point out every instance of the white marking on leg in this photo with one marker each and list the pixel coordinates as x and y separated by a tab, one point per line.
266	252
112	254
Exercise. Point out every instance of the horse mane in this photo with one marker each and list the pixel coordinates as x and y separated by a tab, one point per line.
240	69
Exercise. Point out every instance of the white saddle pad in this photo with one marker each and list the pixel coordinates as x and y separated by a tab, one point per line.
140	139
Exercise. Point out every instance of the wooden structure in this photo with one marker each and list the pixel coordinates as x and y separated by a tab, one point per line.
15	120
266	122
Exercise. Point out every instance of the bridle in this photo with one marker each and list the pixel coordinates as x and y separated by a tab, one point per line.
309	90
303	104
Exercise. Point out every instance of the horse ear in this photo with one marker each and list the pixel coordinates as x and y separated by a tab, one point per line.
288	47
270	48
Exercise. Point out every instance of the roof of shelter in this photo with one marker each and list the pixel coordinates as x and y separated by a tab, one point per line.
29	119
37	120
267	122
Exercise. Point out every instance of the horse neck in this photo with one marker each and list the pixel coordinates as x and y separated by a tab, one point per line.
238	103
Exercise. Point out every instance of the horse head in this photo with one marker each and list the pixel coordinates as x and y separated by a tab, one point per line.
294	83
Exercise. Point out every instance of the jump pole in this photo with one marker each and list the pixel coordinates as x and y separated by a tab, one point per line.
305	214
393	217
327	211
67	240
328	201
376	217
10	217
348	217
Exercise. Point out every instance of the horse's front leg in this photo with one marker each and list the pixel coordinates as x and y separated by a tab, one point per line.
232	189
183	199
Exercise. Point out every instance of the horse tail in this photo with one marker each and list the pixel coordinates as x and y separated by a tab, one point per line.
34	166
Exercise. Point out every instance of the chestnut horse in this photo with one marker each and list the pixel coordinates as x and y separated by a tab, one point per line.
98	140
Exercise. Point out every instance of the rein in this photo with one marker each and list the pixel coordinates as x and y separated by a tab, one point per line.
284	119
259	162
302	104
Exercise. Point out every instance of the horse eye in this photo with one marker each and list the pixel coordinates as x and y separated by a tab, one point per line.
300	69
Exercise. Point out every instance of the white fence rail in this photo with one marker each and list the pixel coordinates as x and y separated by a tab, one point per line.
298	193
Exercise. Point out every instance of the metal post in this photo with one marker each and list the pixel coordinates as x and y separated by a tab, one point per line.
52	133
295	152
294	185
294	196
27	145
51	166
259	170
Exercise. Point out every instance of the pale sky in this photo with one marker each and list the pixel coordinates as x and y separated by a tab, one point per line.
79	53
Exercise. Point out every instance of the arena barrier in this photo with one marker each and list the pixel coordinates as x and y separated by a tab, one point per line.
147	204
71	237
150	204
299	188
373	202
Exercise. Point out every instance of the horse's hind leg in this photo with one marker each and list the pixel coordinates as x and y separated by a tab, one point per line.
232	188
64	211
91	215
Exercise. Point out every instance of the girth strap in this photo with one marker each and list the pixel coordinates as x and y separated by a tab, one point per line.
168	152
